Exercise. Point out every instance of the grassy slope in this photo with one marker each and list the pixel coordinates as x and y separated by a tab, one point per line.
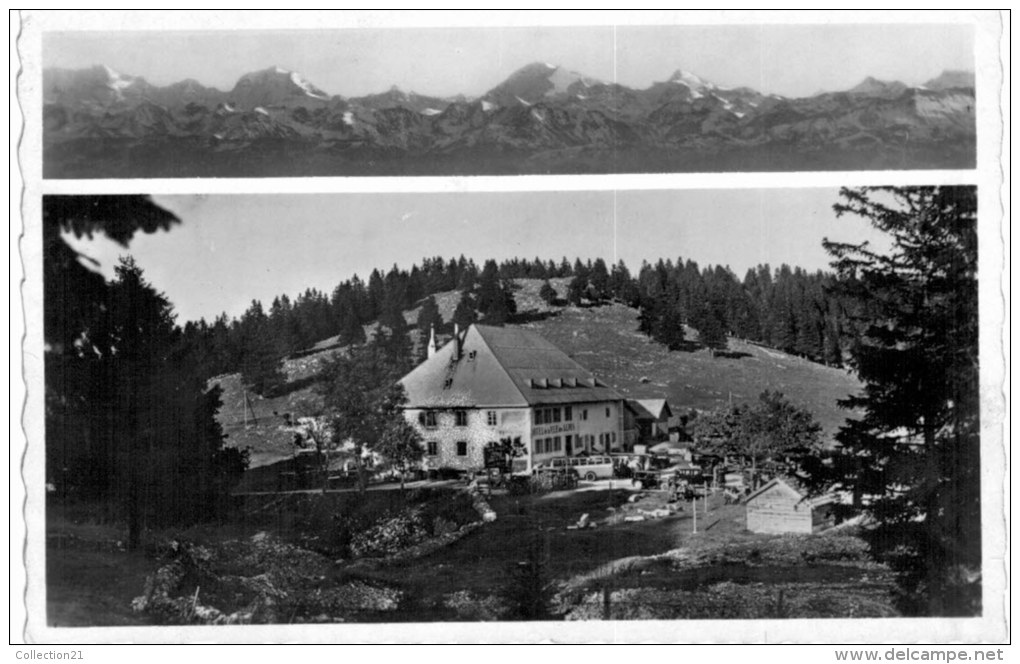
605	340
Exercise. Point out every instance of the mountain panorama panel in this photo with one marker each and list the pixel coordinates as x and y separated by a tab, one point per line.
543	119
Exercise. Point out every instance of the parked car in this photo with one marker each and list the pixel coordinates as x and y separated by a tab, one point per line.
554	478
660	472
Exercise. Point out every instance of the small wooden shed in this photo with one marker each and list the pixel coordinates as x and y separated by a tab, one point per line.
779	507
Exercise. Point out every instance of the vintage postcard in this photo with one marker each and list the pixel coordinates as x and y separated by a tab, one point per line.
304	363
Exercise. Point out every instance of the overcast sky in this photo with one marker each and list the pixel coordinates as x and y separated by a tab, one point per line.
231	249
791	60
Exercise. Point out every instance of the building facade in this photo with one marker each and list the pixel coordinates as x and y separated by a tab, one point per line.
648	421
492	384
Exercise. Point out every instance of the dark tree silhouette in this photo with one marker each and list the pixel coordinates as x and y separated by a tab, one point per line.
260	358
494	296
428	317
916	447
464	315
129	420
547	293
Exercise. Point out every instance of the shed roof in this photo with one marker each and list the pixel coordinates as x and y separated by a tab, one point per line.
791	486
500	366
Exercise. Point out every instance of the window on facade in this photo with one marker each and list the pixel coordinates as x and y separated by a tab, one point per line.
607	411
556	415
584	414
461	448
613	435
460	418
429	419
568	414
491	418
557	444
432	448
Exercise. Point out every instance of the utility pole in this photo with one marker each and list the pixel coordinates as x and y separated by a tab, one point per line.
694	510
246	407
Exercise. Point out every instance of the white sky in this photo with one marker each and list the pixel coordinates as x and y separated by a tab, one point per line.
230	249
792	60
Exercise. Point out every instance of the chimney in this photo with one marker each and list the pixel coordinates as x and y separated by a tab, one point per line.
432	342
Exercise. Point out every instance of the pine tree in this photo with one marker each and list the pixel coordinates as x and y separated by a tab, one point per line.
547	293
915	450
598	281
464	315
577	289
494	298
711	328
128	419
428	318
669	328
392	316
260	359
350	331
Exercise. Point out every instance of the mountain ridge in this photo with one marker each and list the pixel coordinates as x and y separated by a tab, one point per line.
541	119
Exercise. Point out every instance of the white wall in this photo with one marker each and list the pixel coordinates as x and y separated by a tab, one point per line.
511	423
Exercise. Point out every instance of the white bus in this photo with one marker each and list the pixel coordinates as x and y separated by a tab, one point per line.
590	468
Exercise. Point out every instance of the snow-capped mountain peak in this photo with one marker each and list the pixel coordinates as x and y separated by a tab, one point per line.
692	81
115	80
536	82
272	86
309	89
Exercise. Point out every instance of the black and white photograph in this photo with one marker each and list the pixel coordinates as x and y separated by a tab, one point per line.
508	101
510	327
570	406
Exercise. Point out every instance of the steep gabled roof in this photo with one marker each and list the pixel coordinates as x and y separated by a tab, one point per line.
777	482
650	409
500	366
